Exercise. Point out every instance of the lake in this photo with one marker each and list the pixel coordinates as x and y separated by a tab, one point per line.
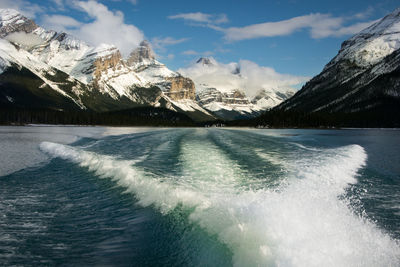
199	197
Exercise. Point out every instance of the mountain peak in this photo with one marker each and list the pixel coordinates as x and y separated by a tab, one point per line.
7	14
388	24
363	77
146	44
373	43
142	53
13	21
205	61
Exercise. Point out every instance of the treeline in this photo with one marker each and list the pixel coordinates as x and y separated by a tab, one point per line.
298	119
141	116
150	116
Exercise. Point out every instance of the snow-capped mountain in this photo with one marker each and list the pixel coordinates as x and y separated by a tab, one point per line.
86	77
229	91
364	76
179	89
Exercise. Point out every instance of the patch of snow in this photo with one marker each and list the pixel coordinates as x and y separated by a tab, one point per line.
122	80
265	103
153	71
184	105
373	43
215	106
189	105
9	16
29	61
4	64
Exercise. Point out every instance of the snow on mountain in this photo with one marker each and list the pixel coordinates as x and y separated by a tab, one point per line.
244	87
101	69
271	97
373	43
12	21
10	16
79	60
9	55
142	60
232	101
180	90
205	61
4	64
362	76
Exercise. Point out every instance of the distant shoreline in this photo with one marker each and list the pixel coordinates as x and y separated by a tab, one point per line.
227	127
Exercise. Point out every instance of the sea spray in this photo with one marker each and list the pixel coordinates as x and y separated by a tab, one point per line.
304	223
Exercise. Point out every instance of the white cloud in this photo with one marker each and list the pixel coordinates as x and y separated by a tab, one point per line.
25	7
195	53
190	53
106	26
59	4
27	40
251	80
60	22
221	18
319	25
364	14
160	43
201	17
133	2
345	30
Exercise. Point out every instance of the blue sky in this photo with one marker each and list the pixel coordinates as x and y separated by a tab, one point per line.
292	37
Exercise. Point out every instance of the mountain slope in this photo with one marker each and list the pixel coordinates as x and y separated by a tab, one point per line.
229	92
364	76
91	78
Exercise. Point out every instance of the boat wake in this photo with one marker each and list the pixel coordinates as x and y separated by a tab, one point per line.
304	221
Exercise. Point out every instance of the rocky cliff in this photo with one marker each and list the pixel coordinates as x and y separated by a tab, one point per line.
141	54
109	62
181	88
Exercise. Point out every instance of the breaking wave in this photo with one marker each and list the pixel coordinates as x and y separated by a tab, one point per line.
302	222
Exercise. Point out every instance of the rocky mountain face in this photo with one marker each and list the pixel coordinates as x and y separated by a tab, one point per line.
175	86
180	88
230	105
364	76
12	21
227	99
141	55
43	66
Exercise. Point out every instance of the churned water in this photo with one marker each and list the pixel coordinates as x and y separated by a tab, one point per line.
200	197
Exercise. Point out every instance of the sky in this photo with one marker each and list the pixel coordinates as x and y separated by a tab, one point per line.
288	37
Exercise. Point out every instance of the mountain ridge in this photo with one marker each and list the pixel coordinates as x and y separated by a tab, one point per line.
99	71
102	74
363	76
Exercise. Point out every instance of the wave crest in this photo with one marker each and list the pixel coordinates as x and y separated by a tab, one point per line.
304	223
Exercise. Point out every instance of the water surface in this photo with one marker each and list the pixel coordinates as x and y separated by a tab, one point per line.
200	197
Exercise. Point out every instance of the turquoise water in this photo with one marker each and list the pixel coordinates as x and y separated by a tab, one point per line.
201	197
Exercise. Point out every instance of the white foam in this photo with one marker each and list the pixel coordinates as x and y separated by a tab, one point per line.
304	223
149	190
